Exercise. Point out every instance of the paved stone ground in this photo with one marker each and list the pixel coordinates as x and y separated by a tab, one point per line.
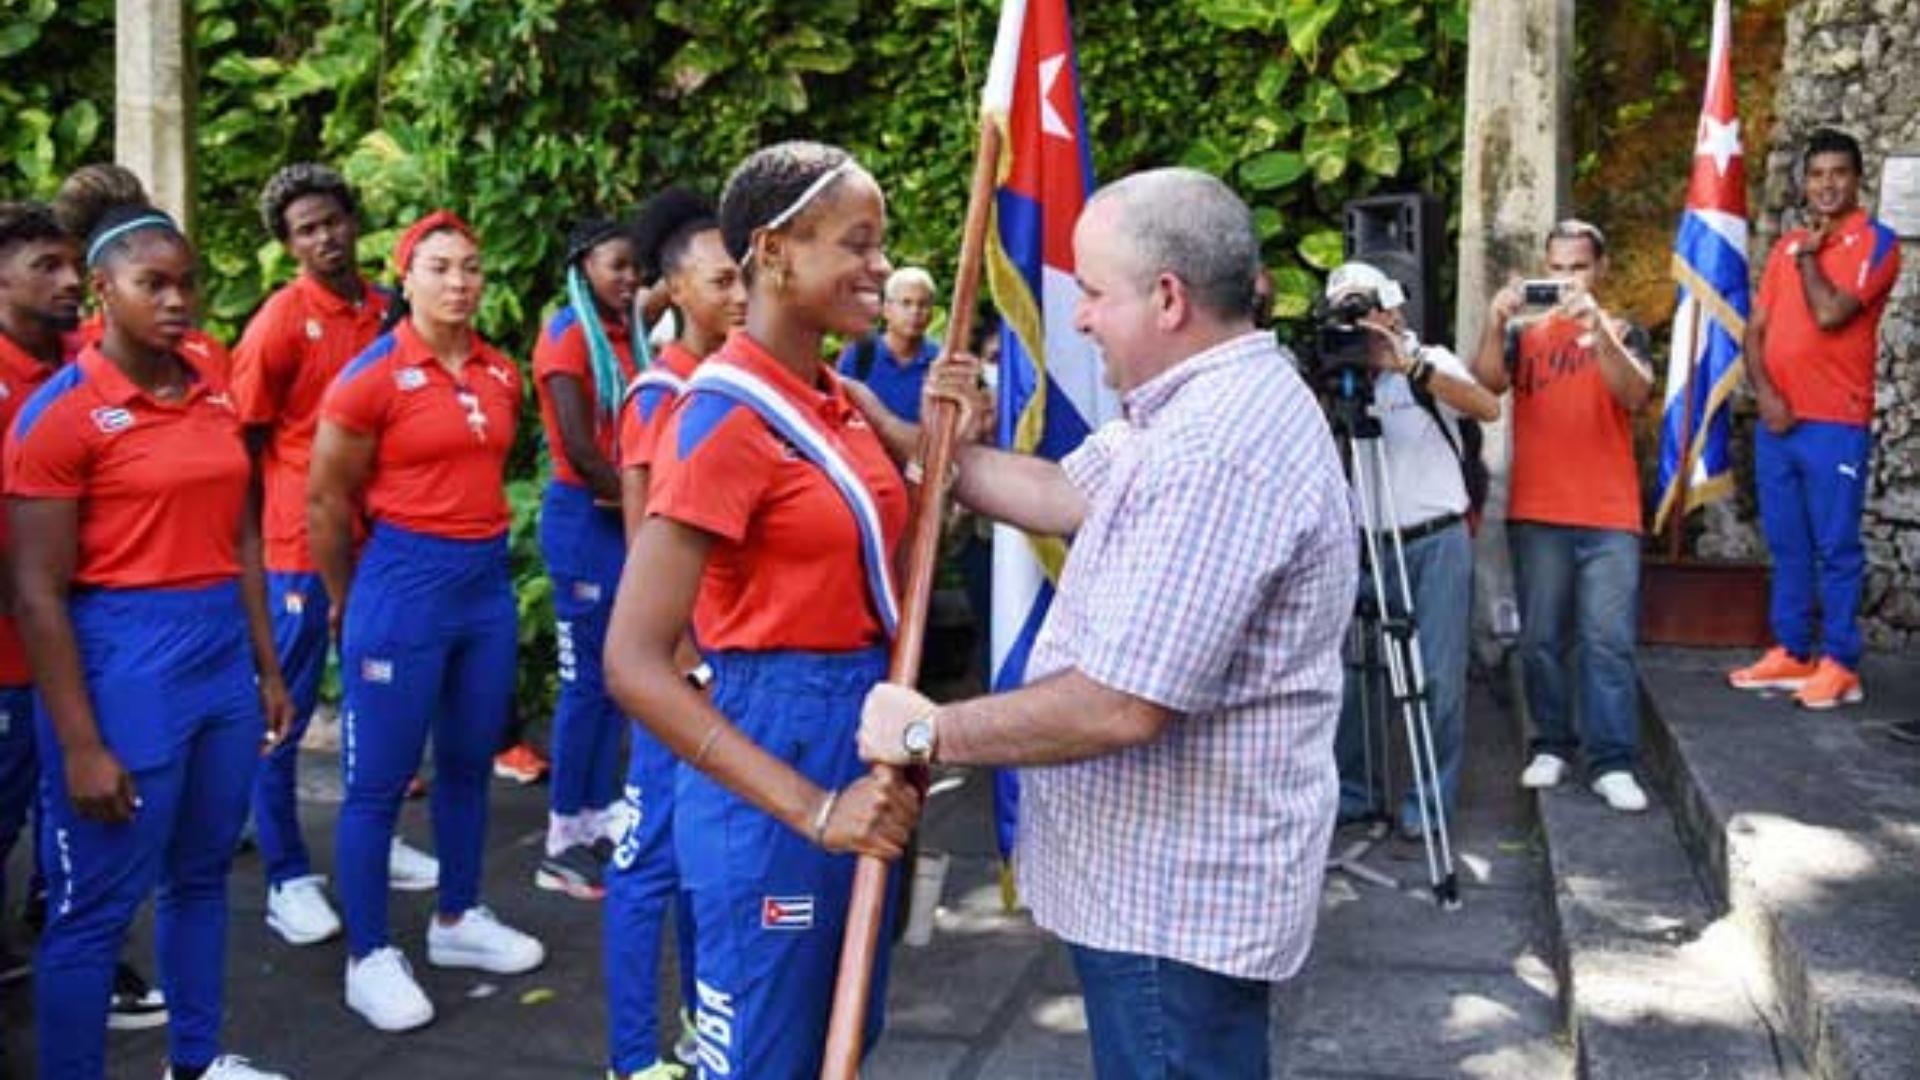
1396	988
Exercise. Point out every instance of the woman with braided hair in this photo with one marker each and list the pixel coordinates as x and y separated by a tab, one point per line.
581	367
774	513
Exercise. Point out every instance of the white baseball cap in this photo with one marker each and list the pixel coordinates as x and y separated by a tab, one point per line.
1359	277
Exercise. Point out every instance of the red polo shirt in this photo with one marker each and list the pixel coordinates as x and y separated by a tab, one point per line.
161	484
1828	374
197	347
562	350
20	375
291	350
442	441
1572	442
785	570
644	415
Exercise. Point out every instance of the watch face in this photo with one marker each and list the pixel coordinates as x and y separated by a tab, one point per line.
918	738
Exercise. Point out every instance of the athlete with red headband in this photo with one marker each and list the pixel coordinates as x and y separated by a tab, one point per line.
417	429
774	514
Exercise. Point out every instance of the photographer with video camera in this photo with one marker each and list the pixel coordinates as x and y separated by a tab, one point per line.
1420	394
1578	374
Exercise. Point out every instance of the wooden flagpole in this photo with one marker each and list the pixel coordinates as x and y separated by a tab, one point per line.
1677	526
867	905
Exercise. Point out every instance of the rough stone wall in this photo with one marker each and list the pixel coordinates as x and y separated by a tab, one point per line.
1855	64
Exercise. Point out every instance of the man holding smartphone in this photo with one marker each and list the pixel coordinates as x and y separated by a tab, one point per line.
1810	351
1578	374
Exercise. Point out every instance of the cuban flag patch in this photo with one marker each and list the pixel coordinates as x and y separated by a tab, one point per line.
112	419
786	913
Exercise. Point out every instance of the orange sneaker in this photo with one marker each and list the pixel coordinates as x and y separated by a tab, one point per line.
1831	687
520	763
1777	670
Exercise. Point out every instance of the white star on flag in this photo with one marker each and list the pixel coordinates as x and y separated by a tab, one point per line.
1051	121
1719	140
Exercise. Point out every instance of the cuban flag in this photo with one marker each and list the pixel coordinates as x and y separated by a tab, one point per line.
1710	321
1051	389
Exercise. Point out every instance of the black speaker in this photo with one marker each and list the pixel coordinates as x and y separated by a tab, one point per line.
1401	235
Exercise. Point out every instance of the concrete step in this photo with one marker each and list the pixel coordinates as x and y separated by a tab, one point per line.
1805	828
1654	985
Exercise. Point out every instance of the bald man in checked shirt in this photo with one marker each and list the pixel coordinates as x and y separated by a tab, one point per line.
1177	728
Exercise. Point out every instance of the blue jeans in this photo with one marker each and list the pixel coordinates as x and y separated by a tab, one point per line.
1440	574
1813	488
1586	581
1151	1018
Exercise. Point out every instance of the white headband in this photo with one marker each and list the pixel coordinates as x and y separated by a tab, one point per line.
820	184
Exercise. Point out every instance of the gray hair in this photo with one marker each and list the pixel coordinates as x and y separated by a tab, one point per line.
905	276
1187	223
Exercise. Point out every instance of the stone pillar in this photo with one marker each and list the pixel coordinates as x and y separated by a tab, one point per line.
153	101
1514	183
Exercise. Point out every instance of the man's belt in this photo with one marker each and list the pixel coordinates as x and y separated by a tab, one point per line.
1429	527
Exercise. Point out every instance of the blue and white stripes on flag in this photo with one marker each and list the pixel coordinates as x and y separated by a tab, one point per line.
1051	389
1710	321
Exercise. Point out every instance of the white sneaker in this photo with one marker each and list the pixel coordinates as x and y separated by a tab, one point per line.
298	911
380	987
1621	791
231	1067
483	942
411	870
1545	770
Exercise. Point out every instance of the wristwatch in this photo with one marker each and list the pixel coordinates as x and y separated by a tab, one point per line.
918	737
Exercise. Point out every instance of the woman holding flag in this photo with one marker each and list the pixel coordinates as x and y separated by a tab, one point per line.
774	516
677	241
581	367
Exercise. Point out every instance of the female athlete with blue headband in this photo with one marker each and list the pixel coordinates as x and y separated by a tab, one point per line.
581	367
774	513
142	601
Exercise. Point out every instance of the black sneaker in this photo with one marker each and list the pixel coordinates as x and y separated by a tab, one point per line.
603	850
136	1005
1907	732
577	872
13	966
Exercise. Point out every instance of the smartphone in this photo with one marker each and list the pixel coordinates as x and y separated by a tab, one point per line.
1544	293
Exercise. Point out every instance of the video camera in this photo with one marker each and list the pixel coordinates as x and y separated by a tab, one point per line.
1338	363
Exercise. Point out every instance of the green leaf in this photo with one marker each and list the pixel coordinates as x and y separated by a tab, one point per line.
1326	148
17	36
1274	76
1273	169
1306	20
1361	71
1378	151
79	125
1323	249
1294	290
1207	155
1267	222
243	70
1239	14
1324	104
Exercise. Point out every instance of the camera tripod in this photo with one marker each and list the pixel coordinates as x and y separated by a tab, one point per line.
1384	646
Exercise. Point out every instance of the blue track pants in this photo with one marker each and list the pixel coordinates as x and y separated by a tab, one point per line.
172	683
769	906
584	547
1813	489
297	603
428	643
643	882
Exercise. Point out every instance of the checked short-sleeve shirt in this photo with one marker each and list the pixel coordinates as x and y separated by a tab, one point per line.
1214	575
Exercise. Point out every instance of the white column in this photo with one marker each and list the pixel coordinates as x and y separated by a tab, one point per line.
153	103
1514	184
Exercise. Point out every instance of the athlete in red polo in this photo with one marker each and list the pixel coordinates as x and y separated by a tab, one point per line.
677	241
417	429
141	600
773	519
